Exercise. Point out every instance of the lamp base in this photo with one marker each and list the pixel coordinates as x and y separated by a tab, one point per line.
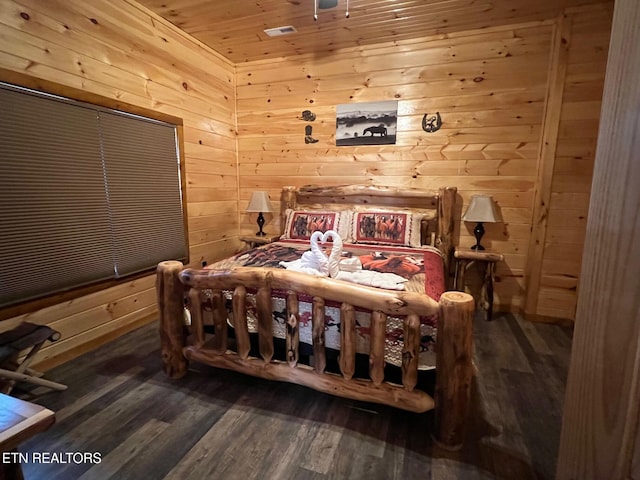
260	221
478	232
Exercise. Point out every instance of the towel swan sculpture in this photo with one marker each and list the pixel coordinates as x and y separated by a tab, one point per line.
316	262
313	262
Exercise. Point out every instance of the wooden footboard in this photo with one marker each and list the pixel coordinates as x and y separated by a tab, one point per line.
454	369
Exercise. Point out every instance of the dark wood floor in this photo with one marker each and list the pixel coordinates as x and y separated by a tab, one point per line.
217	424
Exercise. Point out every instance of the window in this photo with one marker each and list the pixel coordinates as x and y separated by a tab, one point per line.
86	194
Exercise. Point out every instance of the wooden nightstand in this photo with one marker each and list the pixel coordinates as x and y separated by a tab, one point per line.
486	261
254	240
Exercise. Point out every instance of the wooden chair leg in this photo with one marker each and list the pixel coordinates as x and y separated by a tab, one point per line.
27	360
25	374
34	373
23	377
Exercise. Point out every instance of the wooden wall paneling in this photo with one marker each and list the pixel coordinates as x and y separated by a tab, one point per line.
123	52
557	71
573	169
91	65
76	306
204	134
71	33
71	347
600	436
73	325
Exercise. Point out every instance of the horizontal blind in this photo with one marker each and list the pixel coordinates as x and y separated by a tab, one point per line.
54	227
86	194
143	188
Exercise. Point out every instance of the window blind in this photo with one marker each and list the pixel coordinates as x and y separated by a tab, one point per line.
86	194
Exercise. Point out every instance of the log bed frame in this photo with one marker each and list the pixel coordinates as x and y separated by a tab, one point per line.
203	288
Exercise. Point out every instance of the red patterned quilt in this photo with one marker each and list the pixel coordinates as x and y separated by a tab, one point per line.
423	269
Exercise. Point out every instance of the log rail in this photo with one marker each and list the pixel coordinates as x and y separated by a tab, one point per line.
453	348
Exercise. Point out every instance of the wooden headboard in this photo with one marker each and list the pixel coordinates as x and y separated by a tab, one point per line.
443	202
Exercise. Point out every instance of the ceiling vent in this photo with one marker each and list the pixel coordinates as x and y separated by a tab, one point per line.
278	31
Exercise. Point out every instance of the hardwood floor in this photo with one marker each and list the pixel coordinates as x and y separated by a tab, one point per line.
218	424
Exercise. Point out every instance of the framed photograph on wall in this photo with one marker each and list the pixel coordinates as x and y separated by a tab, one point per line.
371	123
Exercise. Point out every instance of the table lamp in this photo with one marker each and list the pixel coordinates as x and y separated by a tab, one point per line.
259	203
481	210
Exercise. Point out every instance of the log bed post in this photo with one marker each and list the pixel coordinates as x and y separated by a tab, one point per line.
454	360
170	293
446	226
287	200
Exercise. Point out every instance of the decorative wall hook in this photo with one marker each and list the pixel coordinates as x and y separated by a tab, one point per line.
308	116
431	124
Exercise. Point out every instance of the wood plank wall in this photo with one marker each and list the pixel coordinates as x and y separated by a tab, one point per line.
493	90
121	51
555	293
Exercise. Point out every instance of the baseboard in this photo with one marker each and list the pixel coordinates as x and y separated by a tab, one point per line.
546	319
532	317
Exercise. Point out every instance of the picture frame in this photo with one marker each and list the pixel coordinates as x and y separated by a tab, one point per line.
370	123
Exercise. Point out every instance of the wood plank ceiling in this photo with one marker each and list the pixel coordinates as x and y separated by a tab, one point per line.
235	28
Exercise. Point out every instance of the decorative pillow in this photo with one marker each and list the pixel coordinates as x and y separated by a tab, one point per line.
302	223
387	227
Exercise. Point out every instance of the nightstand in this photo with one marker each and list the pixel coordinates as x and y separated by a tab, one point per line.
254	240
486	262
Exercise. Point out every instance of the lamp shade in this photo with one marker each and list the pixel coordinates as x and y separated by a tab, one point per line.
259	202
481	209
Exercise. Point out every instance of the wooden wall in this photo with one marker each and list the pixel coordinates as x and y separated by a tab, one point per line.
492	89
559	230
118	50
